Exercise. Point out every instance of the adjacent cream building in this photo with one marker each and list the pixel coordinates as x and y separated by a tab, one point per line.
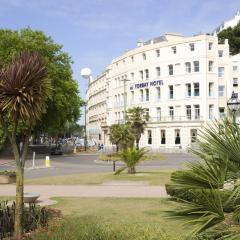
183	83
230	23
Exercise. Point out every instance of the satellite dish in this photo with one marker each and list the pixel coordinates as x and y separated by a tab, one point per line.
86	73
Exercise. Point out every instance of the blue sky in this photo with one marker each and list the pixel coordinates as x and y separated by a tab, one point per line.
93	32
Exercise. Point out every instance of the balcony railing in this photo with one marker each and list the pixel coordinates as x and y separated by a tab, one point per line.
175	118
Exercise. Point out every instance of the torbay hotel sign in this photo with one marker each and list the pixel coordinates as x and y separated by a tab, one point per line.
146	84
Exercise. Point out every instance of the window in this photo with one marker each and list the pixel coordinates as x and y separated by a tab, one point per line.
170	69
210	46
158	113
221	112
196	66
163	137
210	66
158	90
141	75
188	67
235	68
221	91
171	113
158	71
196	89
170	91
141	95
191	47
196	112
147	74
220	53
147	94
210	89
174	50
221	72
235	82
132	59
189	112
193	135
149	137
188	90
144	56
211	111
177	136
132	76
147	113
158	53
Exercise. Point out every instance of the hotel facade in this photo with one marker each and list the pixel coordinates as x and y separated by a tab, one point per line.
182	82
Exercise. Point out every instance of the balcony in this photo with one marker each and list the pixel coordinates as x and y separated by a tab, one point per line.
176	118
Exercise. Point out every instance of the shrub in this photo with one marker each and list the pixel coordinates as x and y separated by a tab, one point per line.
33	217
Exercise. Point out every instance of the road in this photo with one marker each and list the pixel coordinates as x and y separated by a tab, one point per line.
86	163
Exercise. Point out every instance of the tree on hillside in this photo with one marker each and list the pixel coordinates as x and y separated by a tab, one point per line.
233	36
63	104
24	89
137	118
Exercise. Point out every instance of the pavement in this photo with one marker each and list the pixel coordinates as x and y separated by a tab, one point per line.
117	191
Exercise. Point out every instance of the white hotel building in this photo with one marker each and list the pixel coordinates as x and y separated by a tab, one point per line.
183	82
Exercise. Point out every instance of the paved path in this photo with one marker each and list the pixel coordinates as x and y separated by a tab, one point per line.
118	191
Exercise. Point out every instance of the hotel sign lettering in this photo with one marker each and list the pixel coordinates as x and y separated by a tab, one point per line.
147	84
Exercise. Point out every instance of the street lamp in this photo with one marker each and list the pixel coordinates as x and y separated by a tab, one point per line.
233	105
87	74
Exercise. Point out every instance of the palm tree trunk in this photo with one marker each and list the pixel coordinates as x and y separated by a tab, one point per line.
131	170
137	144
19	203
20	156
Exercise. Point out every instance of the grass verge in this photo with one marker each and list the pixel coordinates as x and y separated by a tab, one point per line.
152	177
114	219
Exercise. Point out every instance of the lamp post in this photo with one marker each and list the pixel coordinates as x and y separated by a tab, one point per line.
87	74
233	105
85	127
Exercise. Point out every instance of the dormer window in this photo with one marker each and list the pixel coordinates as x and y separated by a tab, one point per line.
144	56
174	50
191	47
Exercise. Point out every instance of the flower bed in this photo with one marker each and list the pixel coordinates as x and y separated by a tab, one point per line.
7	177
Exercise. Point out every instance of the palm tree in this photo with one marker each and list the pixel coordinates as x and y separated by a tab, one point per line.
137	118
211	185
131	157
121	136
23	91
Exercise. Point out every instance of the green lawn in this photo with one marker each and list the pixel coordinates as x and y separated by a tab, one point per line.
152	177
115	219
2	199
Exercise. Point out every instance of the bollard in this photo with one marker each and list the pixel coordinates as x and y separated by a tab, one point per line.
33	162
75	150
47	161
114	166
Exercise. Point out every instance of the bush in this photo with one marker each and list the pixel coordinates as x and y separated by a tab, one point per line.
33	217
8	173
190	196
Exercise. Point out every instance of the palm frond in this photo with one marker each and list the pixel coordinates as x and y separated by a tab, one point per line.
24	87
207	213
